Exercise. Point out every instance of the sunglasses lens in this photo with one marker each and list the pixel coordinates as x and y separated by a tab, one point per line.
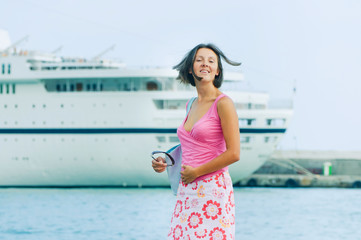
164	156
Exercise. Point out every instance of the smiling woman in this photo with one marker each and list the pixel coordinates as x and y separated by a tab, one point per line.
186	68
210	142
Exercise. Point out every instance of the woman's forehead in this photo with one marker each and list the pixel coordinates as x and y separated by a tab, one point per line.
206	52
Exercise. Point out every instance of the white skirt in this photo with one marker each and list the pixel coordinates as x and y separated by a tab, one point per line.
204	210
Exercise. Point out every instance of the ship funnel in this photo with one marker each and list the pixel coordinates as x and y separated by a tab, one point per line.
5	41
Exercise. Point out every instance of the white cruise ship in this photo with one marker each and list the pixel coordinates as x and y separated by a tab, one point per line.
67	122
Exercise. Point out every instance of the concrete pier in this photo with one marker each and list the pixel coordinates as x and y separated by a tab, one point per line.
298	180
308	169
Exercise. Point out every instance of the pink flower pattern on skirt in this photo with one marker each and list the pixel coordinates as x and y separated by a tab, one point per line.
209	207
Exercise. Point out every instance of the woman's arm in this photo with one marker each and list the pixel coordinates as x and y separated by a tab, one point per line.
229	121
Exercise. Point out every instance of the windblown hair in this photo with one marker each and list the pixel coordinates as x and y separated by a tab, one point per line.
186	65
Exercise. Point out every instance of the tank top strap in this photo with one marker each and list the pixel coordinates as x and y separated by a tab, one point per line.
214	111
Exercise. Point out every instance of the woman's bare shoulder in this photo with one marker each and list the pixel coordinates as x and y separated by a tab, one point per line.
225	102
224	105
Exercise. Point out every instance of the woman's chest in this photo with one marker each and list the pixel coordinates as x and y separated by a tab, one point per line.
197	113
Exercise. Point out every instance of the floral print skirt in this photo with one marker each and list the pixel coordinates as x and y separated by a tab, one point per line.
204	210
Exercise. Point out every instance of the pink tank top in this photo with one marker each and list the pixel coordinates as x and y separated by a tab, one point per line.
205	141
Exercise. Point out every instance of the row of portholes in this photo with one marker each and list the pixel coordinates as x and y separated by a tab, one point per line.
90	159
60	159
266	139
17	140
62	140
16	106
61	105
6	106
244	139
16	123
21	158
162	139
62	123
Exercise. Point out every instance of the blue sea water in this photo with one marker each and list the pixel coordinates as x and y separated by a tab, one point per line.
121	213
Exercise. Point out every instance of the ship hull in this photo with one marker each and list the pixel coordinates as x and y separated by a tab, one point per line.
98	139
94	160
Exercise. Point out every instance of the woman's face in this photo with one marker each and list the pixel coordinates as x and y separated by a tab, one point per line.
205	64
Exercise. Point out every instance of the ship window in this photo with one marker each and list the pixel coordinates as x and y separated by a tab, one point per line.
152	86
170	104
9	68
245	139
79	86
173	139
58	87
242	122
270	139
276	122
13	88
3	69
247	122
1	88
88	87
72	87
161	138
7	88
94	87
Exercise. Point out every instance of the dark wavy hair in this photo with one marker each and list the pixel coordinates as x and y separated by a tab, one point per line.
187	64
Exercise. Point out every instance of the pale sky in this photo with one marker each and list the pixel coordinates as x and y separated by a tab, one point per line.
316	44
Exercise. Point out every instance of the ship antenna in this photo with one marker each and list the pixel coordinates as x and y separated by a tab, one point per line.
16	43
294	92
57	50
104	52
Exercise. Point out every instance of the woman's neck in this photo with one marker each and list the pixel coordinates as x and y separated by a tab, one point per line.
207	91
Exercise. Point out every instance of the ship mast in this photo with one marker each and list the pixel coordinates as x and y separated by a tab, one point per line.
6	50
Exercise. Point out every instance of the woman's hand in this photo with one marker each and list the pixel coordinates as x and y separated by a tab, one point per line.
189	174
159	164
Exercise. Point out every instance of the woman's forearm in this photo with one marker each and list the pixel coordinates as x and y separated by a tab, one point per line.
223	160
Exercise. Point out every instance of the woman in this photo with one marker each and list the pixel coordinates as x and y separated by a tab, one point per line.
210	142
